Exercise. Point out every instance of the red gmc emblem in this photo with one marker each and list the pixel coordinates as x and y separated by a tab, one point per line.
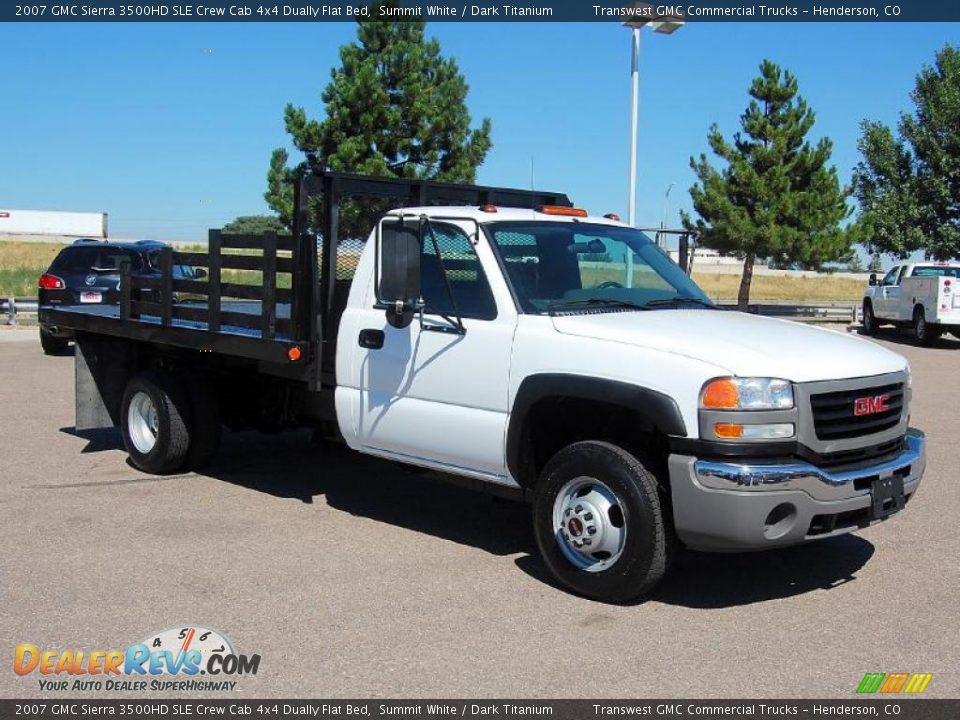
871	405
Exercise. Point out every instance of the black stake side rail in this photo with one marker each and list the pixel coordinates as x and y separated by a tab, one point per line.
147	304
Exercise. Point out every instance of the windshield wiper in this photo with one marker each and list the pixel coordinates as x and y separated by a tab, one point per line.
679	299
594	301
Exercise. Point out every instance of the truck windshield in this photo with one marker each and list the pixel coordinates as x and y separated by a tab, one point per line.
560	266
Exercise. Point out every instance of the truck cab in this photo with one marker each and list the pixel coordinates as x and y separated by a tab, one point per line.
921	296
515	343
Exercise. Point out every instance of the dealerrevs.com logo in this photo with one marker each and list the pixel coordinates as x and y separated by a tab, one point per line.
178	659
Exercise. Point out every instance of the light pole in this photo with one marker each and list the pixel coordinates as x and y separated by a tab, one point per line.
641	14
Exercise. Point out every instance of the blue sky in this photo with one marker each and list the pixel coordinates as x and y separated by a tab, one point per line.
169	127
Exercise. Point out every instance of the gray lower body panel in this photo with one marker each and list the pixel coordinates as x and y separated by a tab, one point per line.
734	507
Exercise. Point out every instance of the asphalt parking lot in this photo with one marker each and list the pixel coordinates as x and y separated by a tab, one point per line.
353	578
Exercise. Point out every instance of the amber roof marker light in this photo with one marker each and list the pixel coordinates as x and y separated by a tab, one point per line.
561	210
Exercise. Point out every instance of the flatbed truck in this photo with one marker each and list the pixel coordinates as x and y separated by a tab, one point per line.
509	340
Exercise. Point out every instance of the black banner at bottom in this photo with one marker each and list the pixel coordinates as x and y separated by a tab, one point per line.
893	709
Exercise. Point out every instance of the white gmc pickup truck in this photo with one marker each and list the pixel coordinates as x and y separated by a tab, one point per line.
530	349
923	296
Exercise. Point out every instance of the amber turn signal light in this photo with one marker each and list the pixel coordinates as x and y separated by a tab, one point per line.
721	394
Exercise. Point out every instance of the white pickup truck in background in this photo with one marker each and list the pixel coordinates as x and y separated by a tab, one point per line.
923	296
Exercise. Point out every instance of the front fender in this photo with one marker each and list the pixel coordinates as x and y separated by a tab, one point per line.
660	410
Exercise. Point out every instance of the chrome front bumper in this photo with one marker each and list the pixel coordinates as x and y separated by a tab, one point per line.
816	482
751	506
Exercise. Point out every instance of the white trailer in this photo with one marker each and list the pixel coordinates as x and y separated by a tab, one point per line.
53	222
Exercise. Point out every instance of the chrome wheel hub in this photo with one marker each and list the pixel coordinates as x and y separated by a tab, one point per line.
589	525
143	422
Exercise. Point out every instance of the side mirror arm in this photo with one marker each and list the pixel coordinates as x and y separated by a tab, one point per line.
456	325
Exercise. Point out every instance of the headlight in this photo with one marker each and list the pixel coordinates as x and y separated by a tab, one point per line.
747	394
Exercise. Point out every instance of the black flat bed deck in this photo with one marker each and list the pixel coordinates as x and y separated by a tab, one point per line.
230	339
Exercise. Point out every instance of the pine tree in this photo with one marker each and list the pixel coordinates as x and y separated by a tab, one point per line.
908	187
395	107
776	196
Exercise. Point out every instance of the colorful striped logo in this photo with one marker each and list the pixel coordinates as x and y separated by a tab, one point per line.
893	683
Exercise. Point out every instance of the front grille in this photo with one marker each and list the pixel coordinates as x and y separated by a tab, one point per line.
844	460
834	414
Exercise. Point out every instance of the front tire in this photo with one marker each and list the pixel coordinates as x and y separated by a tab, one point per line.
924	333
869	319
598	521
153	423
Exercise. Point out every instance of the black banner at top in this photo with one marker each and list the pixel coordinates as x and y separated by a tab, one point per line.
485	11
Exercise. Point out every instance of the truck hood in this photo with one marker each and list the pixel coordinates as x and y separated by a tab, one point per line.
741	344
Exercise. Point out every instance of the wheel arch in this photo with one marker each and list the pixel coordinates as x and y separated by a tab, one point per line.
602	409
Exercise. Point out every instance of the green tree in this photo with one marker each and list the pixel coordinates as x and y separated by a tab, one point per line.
255	225
395	107
855	264
876	263
908	186
776	196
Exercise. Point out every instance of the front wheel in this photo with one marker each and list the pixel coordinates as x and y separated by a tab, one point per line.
599	523
869	319
153	423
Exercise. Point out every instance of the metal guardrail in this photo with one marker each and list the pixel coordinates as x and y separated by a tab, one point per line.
827	312
12	308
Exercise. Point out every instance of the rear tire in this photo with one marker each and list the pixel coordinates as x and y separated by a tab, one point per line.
599	522
924	333
153	423
52	345
206	424
869	319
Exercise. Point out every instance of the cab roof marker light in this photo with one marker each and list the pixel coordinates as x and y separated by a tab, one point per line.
612	216
488	208
560	210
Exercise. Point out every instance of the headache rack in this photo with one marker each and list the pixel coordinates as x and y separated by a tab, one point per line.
288	318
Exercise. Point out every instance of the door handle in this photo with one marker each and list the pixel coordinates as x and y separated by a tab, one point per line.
371	339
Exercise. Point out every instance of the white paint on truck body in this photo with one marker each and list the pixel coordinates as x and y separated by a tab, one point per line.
443	400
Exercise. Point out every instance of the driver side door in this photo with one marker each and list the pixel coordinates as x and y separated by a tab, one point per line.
887	301
430	394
